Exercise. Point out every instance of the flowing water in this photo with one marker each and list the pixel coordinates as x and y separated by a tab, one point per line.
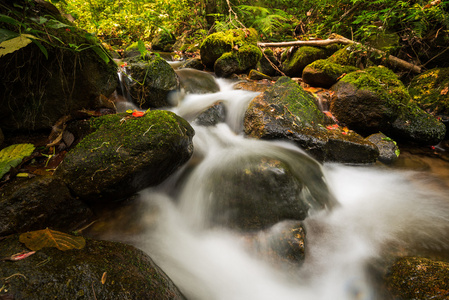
373	213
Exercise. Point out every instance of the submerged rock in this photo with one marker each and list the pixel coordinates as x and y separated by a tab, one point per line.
287	112
101	270
125	154
150	82
197	82
373	100
43	201
418	278
388	149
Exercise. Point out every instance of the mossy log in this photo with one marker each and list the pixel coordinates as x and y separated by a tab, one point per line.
342	40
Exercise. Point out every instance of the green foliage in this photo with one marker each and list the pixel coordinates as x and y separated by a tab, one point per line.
12	156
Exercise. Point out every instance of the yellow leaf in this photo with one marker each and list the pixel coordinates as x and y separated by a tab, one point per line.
36	240
15	44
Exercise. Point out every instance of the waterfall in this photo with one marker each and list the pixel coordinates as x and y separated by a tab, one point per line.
370	213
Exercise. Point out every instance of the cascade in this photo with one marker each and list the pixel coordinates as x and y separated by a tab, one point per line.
356	216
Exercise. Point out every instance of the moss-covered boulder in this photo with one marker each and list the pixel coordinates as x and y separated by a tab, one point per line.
350	56
431	91
265	64
418	278
43	201
388	149
374	99
101	270
219	43
323	73
150	81
287	112
197	82
298	58
40	85
237	62
125	154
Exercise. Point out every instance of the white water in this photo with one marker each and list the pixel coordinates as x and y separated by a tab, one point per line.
381	212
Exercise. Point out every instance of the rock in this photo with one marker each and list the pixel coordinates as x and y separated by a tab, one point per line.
43	201
219	43
192	63
125	154
197	82
101	270
150	81
388	149
430	90
262	191
287	112
237	62
299	58
212	116
323	73
51	88
256	75
254	86
2	137
374	100
350	56
163	41
418	278
264	66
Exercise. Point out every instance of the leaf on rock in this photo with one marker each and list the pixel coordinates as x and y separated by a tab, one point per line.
13	155
36	240
14	44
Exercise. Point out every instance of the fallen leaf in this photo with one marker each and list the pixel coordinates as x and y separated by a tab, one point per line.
444	91
12	156
22	255
103	278
138	114
36	240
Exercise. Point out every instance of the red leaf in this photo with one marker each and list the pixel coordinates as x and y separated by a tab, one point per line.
138	114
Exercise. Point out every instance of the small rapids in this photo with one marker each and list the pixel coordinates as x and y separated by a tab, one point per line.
373	214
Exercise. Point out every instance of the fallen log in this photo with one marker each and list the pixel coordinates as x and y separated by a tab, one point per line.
342	40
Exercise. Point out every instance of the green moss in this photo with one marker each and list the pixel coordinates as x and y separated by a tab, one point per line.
330	68
302	57
430	90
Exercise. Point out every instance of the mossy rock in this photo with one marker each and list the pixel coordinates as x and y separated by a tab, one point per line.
418	278
388	148
323	73
287	112
36	91
297	60
101	270
219	43
431	91
264	66
125	154
237	62
150	82
36	203
351	56
256	75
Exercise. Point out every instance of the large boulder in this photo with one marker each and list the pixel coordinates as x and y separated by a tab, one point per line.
101	270
431	91
265	65
150	81
418	278
39	85
43	201
197	82
237	62
125	154
298	58
287	112
324	73
374	99
219	43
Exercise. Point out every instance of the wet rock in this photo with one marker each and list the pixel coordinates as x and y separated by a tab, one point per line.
299	58
324	73
287	112
212	116
418	278
101	270
388	149
264	66
197	82
43	201
256	75
219	43
374	100
193	63
125	154
150	81
430	90
237	62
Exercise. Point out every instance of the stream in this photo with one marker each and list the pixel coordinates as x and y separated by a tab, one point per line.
373	213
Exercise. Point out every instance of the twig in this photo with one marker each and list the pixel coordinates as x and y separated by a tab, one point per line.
95	296
17	274
147	130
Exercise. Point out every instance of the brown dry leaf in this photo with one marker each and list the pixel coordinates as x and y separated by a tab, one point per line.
103	278
36	240
444	91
